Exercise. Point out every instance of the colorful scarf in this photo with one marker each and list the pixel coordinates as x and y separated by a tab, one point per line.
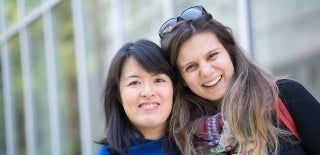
215	135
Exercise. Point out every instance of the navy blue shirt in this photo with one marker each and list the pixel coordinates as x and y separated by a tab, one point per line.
140	147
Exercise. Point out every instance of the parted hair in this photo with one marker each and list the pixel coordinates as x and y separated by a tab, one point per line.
249	103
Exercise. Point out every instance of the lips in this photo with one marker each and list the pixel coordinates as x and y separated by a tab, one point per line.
149	105
212	82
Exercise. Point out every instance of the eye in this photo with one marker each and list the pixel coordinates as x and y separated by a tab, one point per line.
159	80
191	67
212	56
134	83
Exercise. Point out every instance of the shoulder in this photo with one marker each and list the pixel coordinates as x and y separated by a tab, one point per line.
147	147
103	150
297	98
304	109
287	84
292	89
141	147
299	101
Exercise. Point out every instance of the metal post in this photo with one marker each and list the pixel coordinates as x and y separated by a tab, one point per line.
117	28
52	82
245	30
167	9
27	85
6	82
83	94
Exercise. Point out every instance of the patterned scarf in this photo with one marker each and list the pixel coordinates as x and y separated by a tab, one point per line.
215	134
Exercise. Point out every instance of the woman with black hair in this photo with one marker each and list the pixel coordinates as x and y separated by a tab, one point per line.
138	99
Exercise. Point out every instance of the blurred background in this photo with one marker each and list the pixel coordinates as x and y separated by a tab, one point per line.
55	55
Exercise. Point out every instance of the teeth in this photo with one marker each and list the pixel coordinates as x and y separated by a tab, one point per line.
149	106
213	82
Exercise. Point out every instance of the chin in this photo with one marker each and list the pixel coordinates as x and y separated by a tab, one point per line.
216	97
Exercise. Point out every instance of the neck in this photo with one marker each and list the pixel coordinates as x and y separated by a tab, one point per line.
153	134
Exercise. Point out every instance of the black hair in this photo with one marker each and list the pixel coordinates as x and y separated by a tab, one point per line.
119	131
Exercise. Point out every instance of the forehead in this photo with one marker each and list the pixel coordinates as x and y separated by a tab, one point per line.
198	40
131	66
198	43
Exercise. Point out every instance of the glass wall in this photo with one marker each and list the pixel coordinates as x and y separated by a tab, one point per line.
55	55
2	119
286	39
39	86
16	82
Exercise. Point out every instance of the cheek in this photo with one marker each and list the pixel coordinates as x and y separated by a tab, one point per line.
166	92
227	66
189	79
170	97
231	69
127	98
125	104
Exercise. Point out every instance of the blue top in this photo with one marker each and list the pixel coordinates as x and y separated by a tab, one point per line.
140	147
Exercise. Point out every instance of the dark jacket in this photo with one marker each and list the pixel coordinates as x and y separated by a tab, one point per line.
305	111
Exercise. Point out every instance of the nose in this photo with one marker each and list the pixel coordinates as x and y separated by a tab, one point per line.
205	69
147	90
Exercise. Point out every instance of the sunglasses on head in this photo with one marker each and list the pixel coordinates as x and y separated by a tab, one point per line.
188	14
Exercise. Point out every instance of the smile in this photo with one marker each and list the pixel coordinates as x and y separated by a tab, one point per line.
148	106
213	82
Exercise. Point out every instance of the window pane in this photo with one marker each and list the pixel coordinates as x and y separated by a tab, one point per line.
17	95
291	29
67	81
96	18
286	39
11	12
225	11
39	87
32	4
139	24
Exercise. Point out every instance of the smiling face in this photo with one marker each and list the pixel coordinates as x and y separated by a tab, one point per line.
205	66
146	98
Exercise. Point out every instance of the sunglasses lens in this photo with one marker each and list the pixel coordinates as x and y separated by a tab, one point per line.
188	14
192	13
167	26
